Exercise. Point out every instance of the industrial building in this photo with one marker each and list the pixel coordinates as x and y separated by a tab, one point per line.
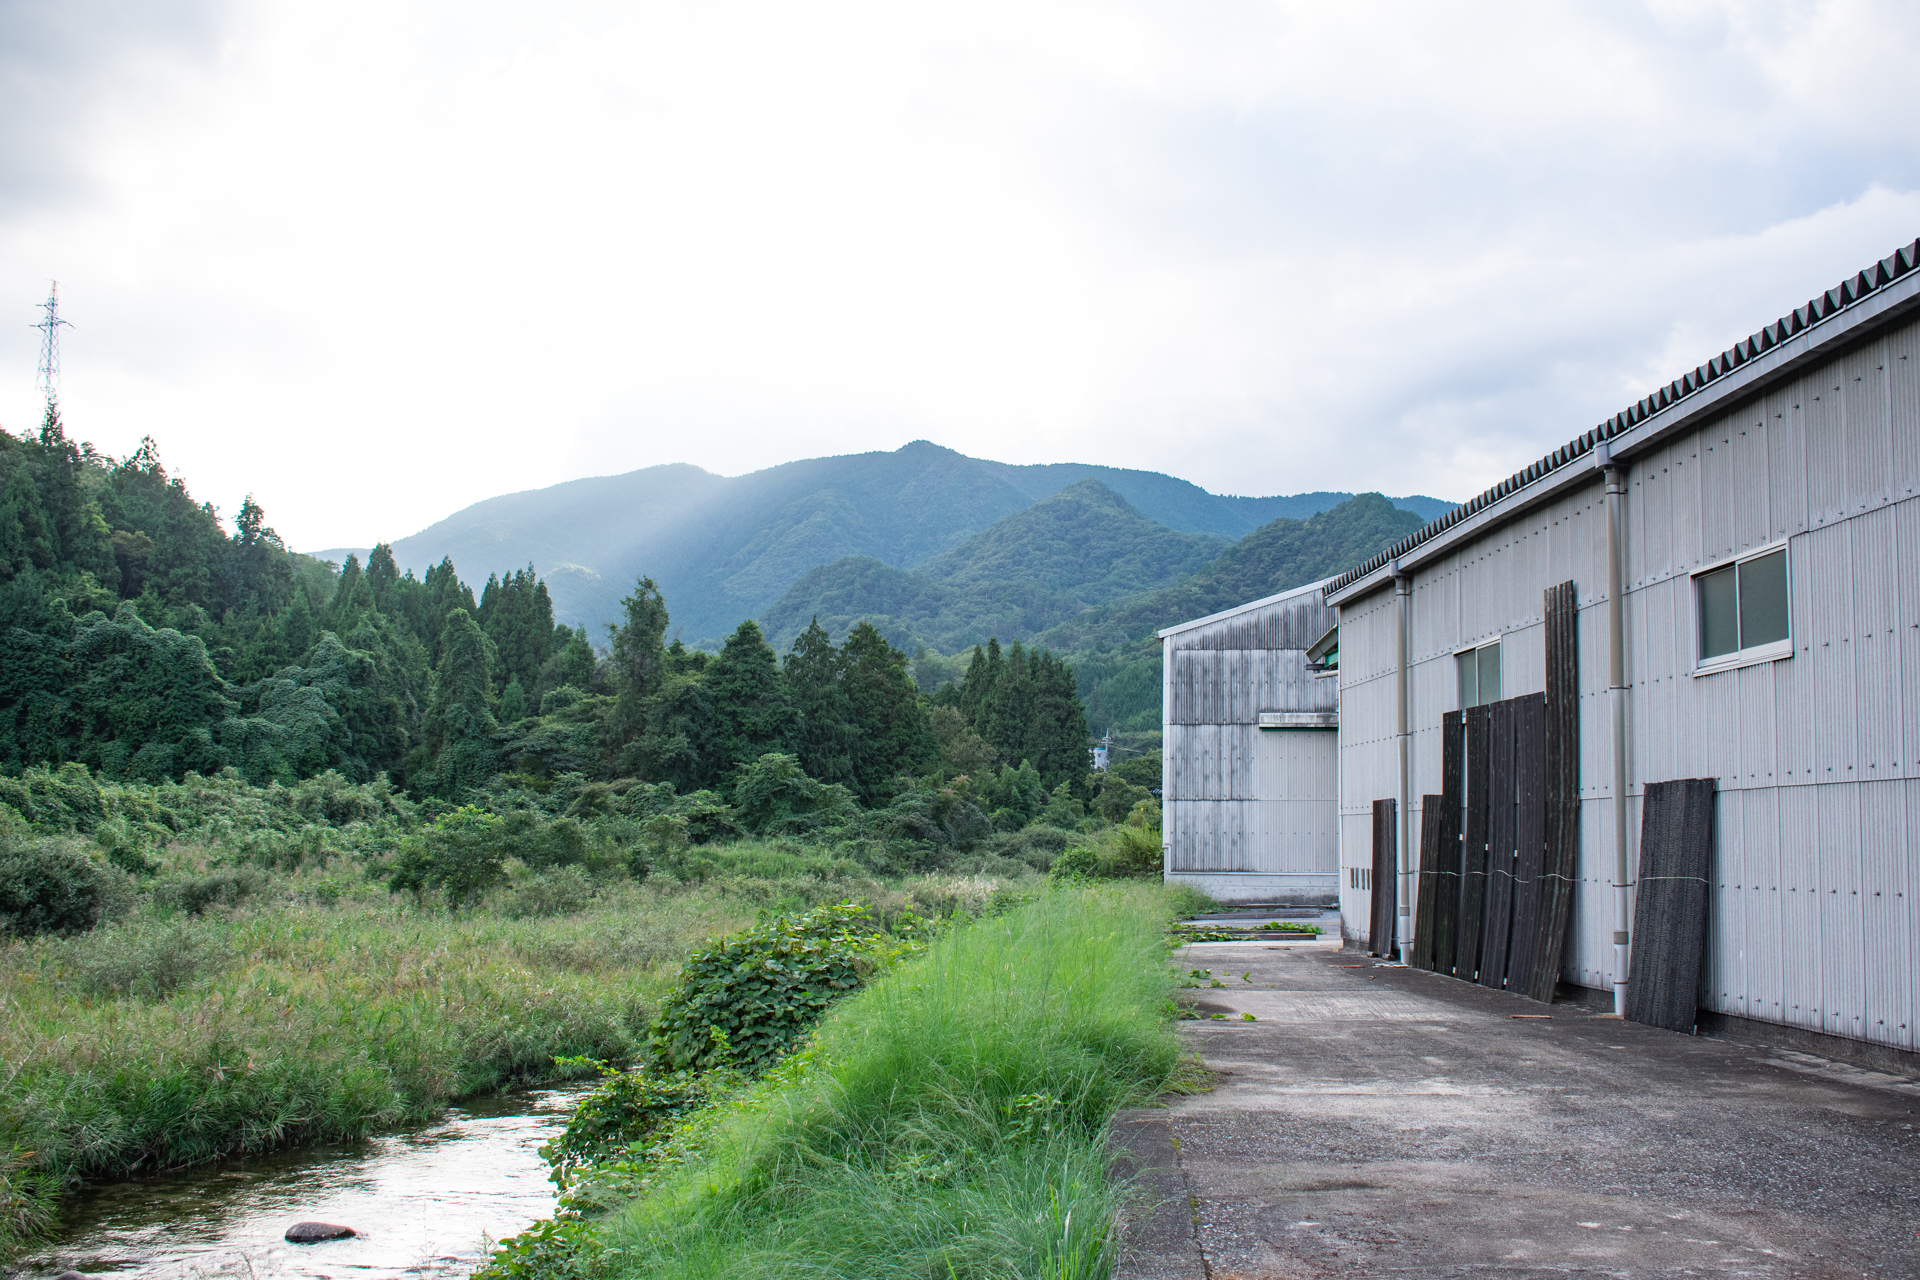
1721	582
1249	790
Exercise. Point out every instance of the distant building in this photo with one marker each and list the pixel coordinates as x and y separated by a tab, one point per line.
1721	582
1249	772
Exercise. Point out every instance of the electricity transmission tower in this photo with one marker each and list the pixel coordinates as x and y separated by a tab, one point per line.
50	348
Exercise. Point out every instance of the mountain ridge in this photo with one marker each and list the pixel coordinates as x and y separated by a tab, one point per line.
725	548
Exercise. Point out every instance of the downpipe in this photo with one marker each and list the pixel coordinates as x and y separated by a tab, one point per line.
1403	934
1617	698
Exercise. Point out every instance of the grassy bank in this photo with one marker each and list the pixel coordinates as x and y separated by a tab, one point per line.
227	1011
949	1120
159	1042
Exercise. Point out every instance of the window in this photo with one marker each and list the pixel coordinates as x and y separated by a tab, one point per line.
1479	673
1741	608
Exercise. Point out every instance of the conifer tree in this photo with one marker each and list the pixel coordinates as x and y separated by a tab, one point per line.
887	723
813	671
460	720
752	712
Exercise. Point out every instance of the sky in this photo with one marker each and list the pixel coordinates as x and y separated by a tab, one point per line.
372	262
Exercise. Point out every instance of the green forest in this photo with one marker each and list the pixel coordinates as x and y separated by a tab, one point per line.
1085	575
143	640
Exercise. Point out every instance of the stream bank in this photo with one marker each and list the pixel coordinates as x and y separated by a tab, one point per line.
422	1203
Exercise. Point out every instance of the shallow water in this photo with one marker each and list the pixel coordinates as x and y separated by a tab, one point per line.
424	1203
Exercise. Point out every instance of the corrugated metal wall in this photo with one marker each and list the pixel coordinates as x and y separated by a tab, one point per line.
1816	906
1239	801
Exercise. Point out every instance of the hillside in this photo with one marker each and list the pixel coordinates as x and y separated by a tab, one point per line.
725	548
1056	575
1273	558
1085	545
1114	653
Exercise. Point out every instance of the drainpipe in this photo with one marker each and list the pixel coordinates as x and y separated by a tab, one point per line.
1166	760
1617	697
1403	585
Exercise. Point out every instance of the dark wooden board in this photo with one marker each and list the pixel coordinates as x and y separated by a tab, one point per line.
1529	836
1670	903
1496	928
1562	866
1473	849
1385	878
1446	907
1431	880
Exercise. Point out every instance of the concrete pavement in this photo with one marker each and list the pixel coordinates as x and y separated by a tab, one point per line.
1382	1121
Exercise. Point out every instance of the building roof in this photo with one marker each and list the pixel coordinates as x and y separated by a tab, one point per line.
1248	607
1829	304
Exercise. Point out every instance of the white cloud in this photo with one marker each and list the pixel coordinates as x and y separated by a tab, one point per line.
375	261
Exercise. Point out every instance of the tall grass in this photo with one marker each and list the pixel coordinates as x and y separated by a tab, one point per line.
155	1044
951	1121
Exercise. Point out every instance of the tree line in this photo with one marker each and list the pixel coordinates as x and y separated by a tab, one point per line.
141	638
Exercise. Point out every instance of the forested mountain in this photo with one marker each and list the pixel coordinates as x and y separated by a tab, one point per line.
1057	575
1113	647
1083	546
727	548
1271	559
140	639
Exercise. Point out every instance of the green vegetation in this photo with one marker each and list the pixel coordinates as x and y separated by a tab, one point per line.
946	1120
206	967
1086	577
726	548
1080	547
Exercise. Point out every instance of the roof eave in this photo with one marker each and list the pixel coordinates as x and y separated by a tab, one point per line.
1242	608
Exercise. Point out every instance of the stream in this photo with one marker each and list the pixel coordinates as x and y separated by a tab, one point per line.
423	1203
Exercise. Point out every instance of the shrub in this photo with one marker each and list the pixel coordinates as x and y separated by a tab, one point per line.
1121	853
52	886
745	1000
221	887
1037	845
150	959
460	853
65	799
774	796
563	891
627	1109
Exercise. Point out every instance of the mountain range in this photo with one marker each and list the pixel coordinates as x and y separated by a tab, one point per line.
959	544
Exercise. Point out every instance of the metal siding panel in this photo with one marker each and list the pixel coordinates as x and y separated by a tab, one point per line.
1889	964
1906	517
1786	463
1654	715
1688	538
1834	721
1794	704
1824	432
1714	456
1858	381
1724	975
1800	905
1874	646
1745	437
1766	941
1752	751
1842	941
1910	889
1903	410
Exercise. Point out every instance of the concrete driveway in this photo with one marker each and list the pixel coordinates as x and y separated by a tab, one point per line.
1381	1121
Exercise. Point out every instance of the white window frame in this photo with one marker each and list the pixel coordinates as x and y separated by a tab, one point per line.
1475	648
1753	656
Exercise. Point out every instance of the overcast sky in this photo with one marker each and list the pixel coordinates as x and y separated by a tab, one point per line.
375	261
